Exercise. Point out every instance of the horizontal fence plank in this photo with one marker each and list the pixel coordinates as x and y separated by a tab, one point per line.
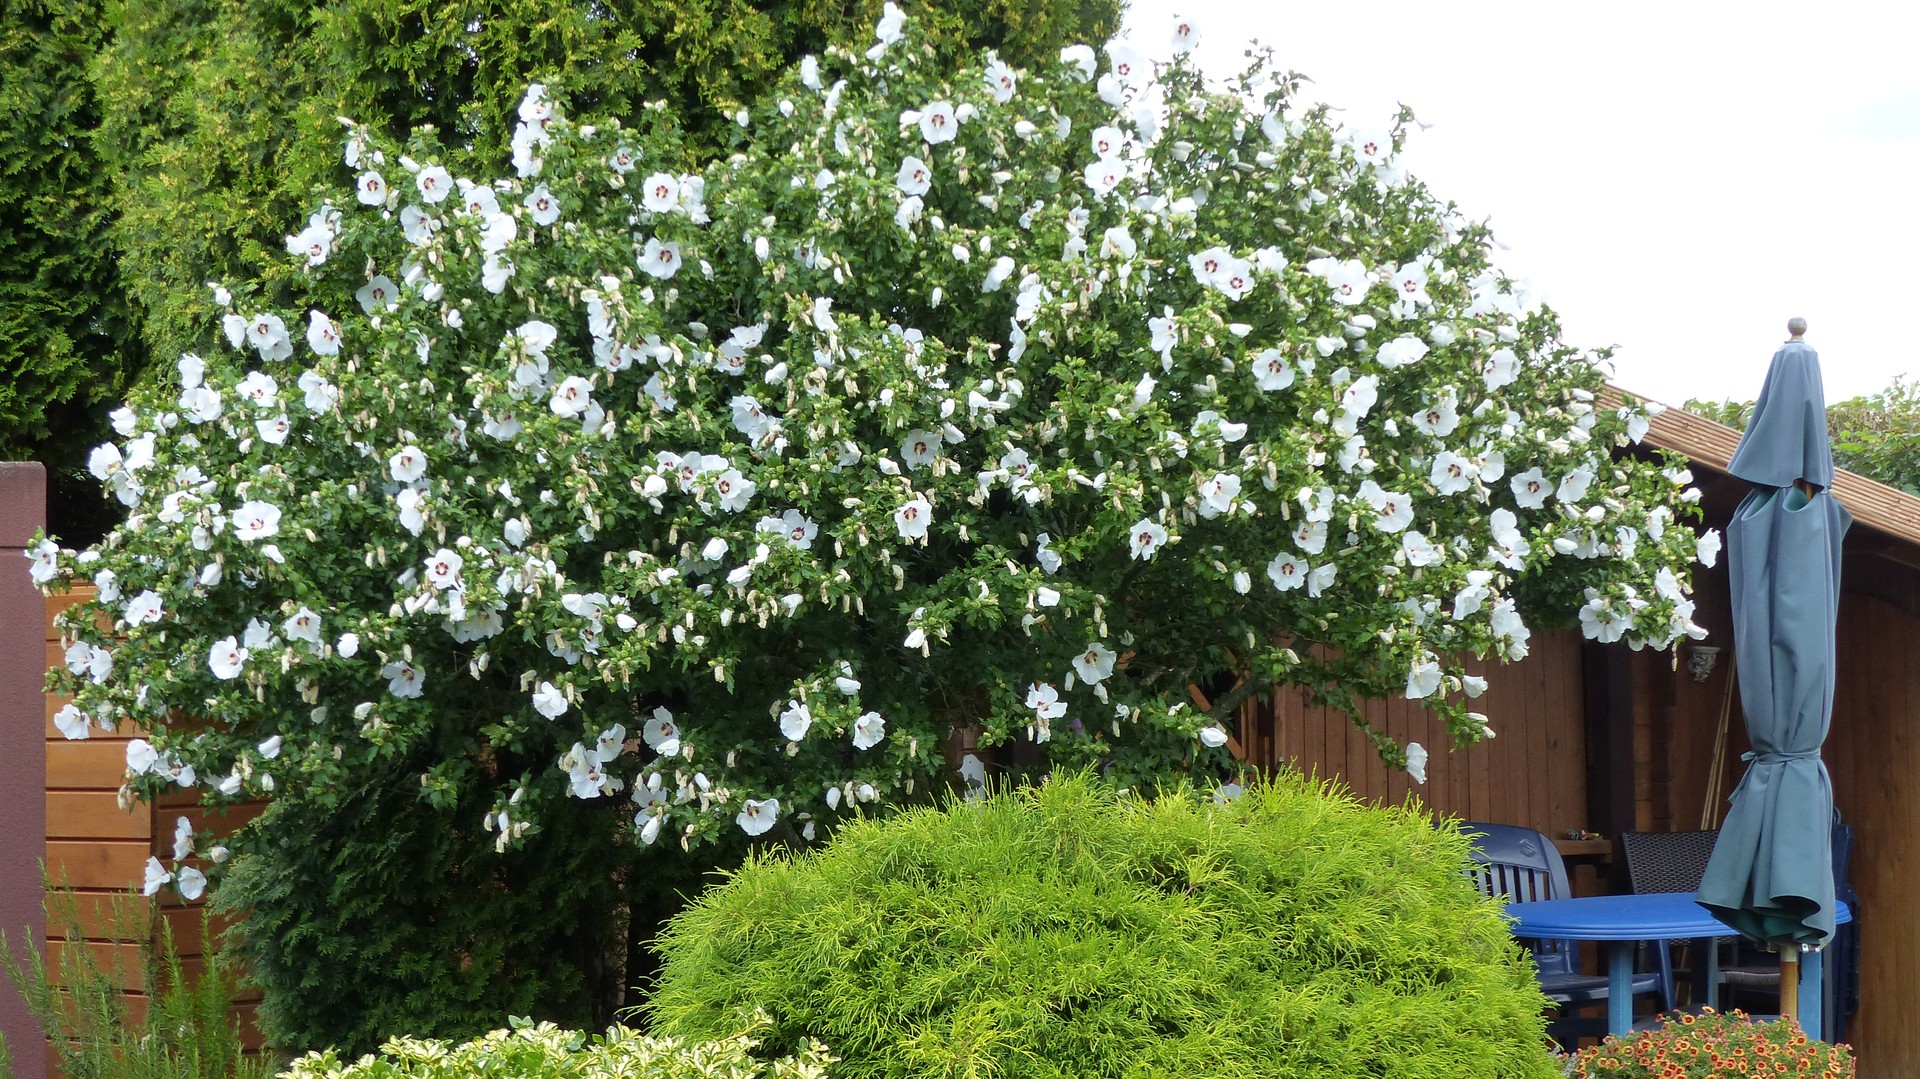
208	820
104	864
186	924
95	815
94	764
121	963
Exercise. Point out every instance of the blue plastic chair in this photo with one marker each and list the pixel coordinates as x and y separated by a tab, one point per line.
1520	865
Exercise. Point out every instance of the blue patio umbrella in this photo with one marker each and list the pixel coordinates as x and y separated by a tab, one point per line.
1771	873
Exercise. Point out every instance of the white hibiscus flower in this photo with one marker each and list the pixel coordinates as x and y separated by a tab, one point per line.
795	721
549	700
913	519
144	609
915	176
757	815
868	730
434	183
404	679
660	260
1095	664
939	123
1145	539
255	520
226	658
408	465
1271	371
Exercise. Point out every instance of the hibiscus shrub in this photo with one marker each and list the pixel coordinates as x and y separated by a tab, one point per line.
960	398
1070	930
546	1052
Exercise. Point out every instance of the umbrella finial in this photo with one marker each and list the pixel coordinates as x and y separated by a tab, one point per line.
1796	328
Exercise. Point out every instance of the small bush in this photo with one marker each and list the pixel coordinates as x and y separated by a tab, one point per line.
548	1052
1072	931
1715	1045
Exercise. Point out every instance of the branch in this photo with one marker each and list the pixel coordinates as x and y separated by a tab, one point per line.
1232	699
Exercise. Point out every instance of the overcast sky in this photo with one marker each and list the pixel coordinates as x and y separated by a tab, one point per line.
1676	179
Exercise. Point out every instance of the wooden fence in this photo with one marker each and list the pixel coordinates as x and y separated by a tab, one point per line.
1533	772
100	850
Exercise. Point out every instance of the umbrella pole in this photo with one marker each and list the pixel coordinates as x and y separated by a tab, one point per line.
1790	982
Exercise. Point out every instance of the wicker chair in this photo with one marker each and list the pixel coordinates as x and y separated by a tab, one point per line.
1675	862
1672	862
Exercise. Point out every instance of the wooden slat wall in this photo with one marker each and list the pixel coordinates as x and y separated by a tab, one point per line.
1533	772
100	850
93	846
1873	754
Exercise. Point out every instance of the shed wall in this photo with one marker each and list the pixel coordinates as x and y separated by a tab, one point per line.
1532	772
1873	755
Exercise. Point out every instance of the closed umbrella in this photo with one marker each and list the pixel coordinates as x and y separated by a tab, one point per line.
1771	873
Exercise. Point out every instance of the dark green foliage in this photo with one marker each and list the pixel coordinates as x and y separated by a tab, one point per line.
373	914
66	346
1068	931
1877	436
188	1031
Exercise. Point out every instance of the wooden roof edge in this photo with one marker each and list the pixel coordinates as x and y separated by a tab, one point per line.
1873	504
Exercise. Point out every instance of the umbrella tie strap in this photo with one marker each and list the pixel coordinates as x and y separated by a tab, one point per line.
1780	758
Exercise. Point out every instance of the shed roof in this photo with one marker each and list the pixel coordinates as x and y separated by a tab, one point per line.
1874	505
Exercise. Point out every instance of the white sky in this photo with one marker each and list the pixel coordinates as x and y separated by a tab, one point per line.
1675	179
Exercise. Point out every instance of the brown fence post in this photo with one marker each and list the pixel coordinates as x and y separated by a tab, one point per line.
23	748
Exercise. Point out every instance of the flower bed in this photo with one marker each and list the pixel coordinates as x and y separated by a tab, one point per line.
1715	1045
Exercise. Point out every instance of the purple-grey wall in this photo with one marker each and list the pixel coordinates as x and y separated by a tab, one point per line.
23	746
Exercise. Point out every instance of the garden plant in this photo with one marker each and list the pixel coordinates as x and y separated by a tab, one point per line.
611	503
186	1028
1069	930
168	141
543	1051
1715	1045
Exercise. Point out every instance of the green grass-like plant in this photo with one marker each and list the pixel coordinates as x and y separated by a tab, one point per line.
1069	930
545	1051
188	1031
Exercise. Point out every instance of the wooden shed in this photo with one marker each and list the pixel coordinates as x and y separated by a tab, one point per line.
1598	739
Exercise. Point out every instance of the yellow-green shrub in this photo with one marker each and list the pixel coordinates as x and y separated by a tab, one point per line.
1072	931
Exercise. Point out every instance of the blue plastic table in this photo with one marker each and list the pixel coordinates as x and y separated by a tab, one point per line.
1625	920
